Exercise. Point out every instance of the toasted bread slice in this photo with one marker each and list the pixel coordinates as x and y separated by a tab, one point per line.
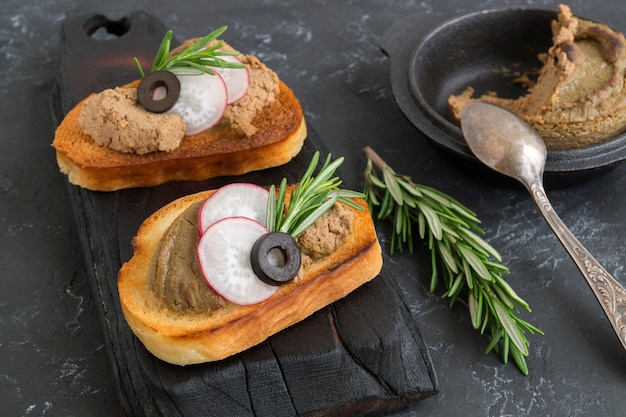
221	151
203	336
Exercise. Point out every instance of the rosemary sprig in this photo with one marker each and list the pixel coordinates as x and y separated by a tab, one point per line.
469	267
307	202
194	60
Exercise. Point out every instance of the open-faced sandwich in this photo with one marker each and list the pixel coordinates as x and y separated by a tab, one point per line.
220	271
204	111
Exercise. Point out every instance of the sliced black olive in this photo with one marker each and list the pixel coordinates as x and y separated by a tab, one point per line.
275	258
147	86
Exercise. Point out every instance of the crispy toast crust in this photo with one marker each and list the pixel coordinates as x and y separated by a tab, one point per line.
221	151
184	339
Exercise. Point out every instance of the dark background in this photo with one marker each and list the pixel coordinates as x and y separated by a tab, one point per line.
53	360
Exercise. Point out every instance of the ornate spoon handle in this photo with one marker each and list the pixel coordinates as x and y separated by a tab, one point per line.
610	294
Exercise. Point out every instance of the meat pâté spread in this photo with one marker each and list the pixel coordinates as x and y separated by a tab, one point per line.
579	98
115	119
176	279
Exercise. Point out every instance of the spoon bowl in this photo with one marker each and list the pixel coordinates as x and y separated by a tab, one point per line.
503	141
506	143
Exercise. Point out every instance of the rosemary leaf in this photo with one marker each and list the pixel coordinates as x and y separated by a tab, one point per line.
456	285
511	328
467	270
270	219
495	339
392	186
164	49
446	256
421	225
505	348
474	261
518	357
503	298
376	181
510	292
399	220
431	218
438	197
411	189
479	244
472	304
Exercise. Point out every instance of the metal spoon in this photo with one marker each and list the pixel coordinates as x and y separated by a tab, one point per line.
506	143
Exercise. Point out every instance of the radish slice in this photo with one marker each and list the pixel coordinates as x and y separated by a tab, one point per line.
224	257
201	103
237	79
234	200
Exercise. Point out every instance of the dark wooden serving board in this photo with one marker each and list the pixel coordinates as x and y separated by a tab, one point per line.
363	355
